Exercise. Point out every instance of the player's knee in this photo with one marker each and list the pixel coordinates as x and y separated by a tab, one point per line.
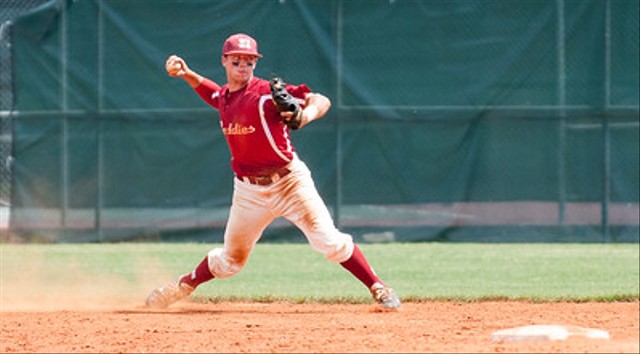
337	249
225	265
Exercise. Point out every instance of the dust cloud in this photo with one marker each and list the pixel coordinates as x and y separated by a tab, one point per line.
37	286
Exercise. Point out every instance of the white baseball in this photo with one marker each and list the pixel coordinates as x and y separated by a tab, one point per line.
174	68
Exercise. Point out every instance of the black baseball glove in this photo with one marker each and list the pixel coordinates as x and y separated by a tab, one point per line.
286	103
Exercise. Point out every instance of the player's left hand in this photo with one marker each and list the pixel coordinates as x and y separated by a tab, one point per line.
287	105
292	119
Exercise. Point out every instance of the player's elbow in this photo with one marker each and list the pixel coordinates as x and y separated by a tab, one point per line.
328	104
322	102
325	102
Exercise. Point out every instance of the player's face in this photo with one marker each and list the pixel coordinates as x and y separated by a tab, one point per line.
239	67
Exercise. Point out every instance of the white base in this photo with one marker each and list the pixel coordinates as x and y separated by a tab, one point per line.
547	333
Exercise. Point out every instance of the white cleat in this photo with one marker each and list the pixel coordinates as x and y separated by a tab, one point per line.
166	295
385	296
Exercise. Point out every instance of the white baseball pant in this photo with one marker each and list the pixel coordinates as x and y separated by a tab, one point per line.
254	207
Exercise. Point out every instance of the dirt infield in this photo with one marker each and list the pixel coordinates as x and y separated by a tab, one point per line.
336	328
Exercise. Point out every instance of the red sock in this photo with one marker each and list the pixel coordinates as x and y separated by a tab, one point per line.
359	267
199	275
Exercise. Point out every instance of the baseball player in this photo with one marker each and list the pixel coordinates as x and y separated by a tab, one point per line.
270	181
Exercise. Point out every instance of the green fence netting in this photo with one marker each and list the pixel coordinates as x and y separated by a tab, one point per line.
499	121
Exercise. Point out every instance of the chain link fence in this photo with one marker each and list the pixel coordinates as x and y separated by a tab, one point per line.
9	10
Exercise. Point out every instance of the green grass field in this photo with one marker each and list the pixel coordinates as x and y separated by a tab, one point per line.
294	272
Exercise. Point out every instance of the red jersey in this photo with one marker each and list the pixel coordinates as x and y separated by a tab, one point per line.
258	140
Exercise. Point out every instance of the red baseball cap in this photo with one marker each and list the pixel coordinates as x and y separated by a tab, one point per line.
240	43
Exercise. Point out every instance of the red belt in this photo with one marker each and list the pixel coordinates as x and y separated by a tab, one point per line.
265	180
